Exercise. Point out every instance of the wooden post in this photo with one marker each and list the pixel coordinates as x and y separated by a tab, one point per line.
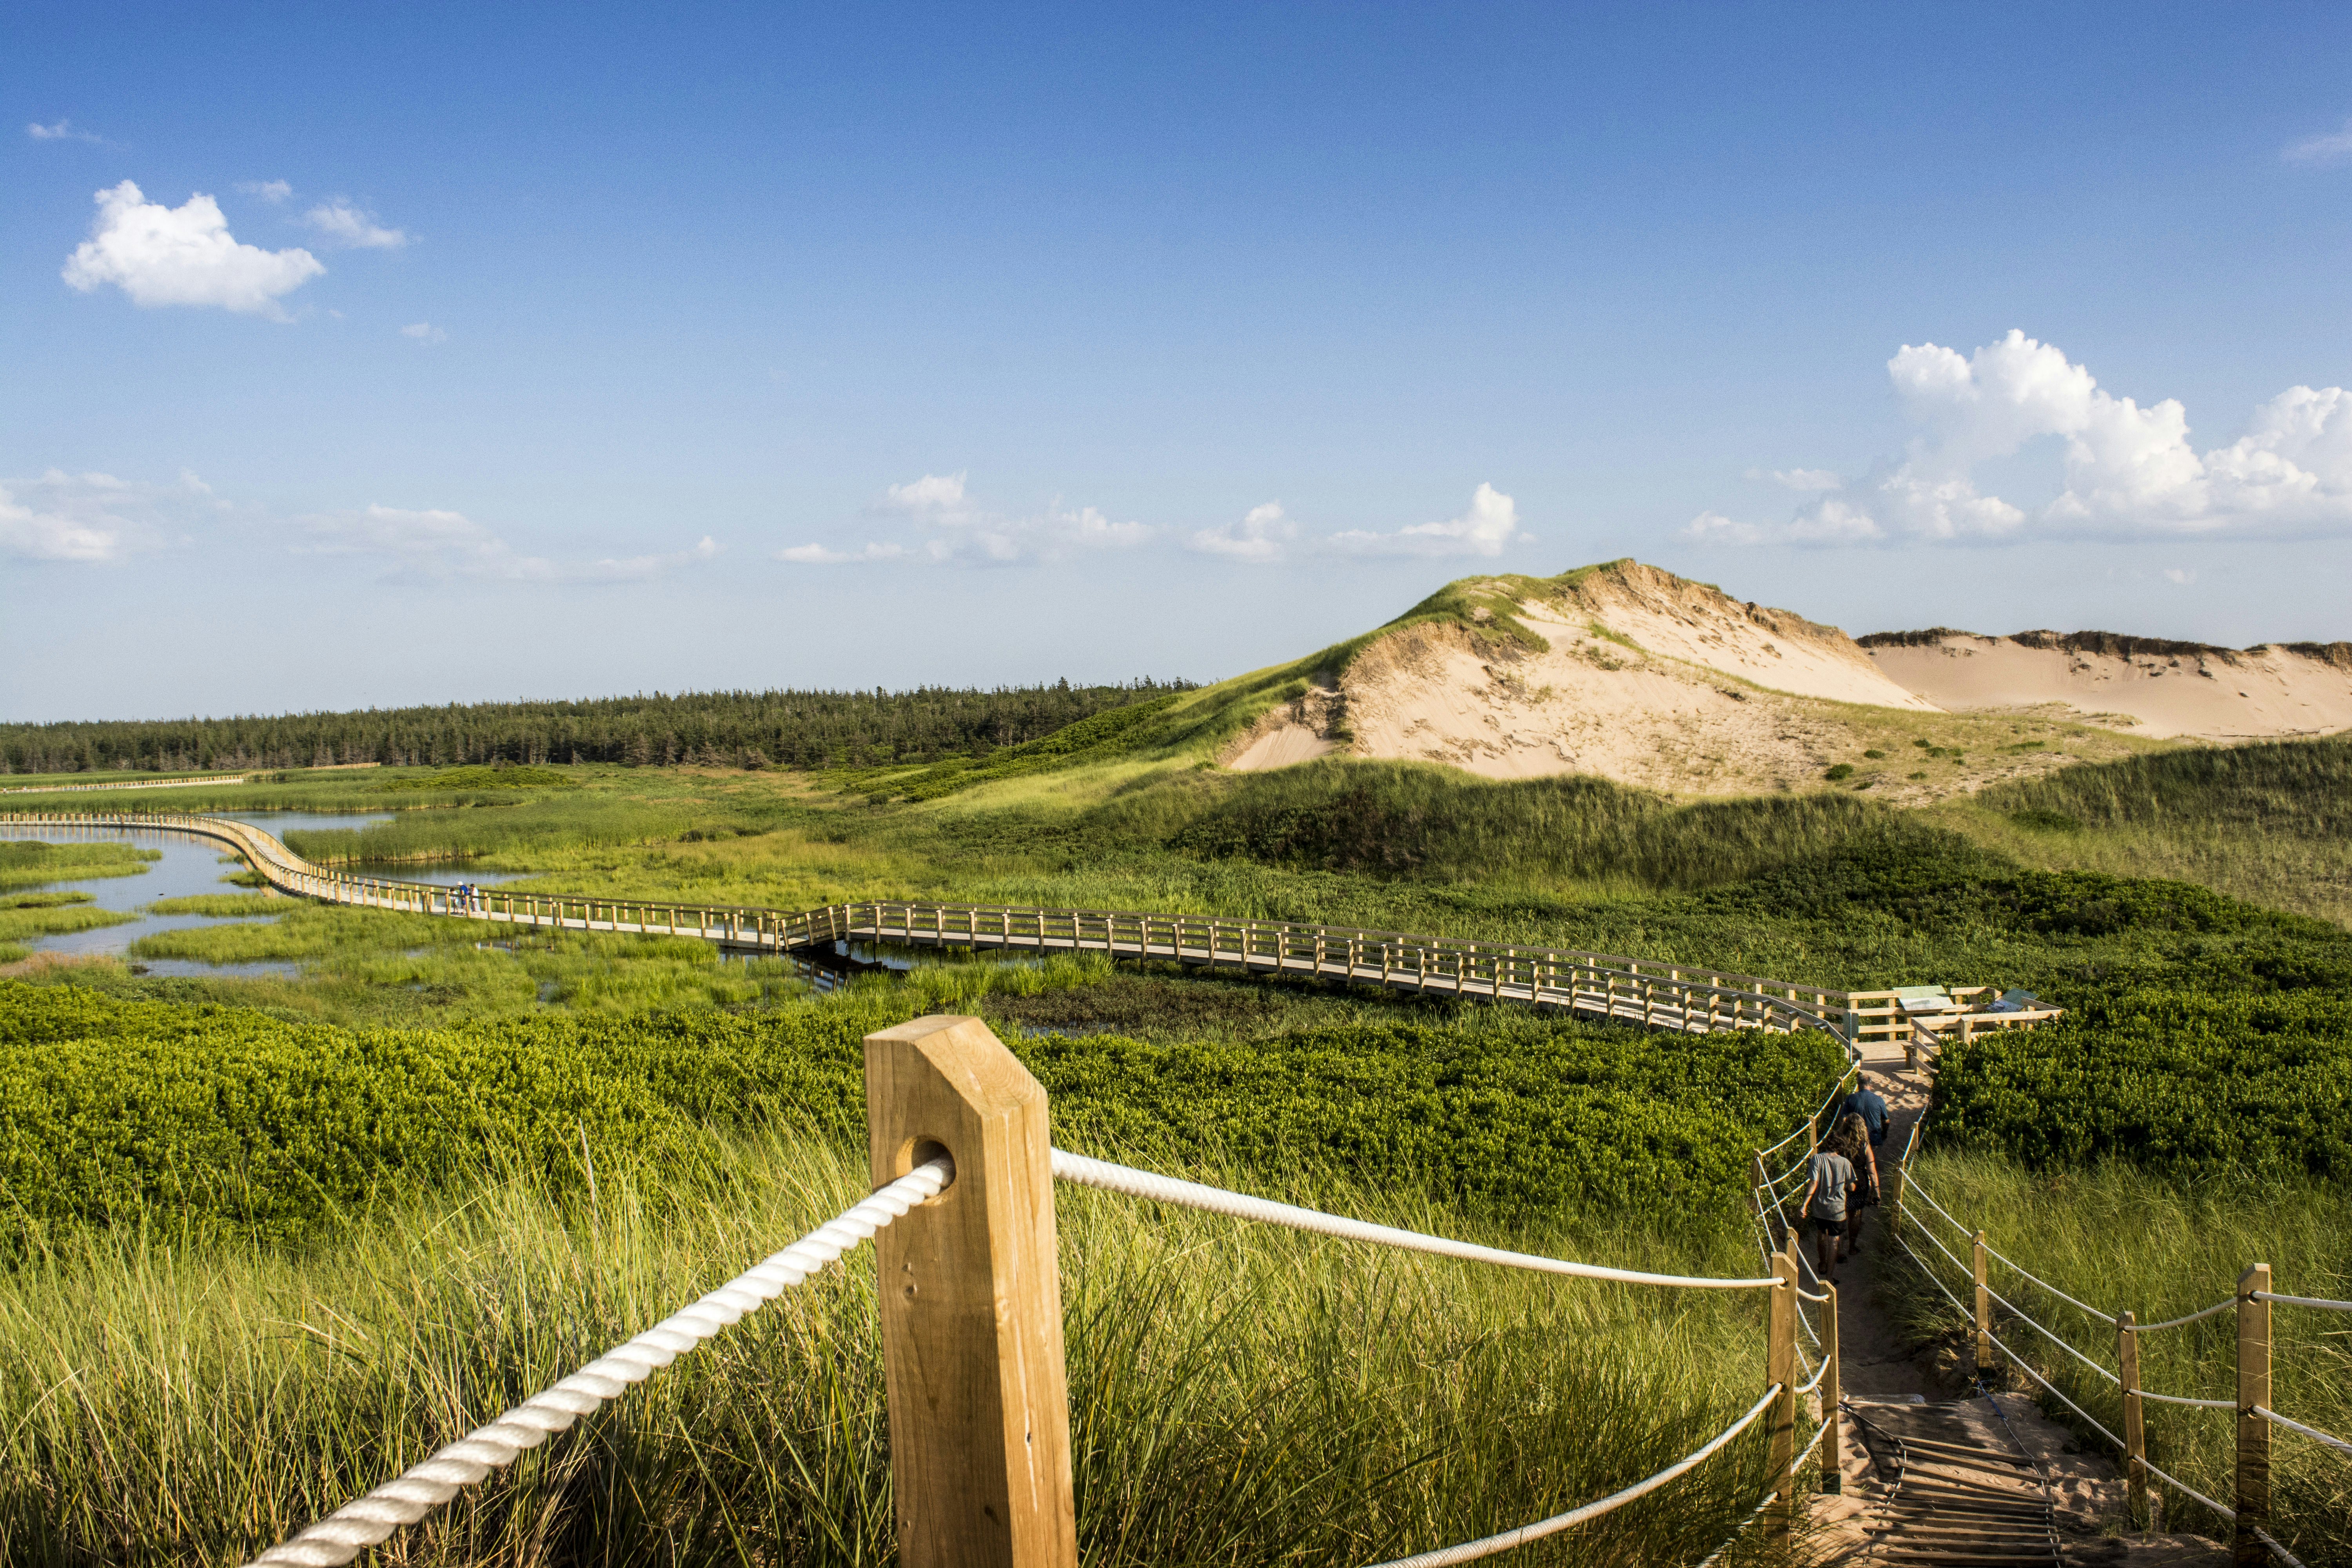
971	1302
2253	1504
2135	1426
1984	1310
1832	1471
1780	1419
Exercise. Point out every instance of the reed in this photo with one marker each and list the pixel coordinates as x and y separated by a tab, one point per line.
1240	1396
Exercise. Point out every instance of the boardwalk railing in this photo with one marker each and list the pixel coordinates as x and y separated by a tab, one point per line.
129	783
1975	1272
974	1366
1672	997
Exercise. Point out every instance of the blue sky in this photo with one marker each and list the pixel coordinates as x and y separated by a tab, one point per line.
591	351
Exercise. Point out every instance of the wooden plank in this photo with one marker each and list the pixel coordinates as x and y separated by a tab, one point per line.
968	1294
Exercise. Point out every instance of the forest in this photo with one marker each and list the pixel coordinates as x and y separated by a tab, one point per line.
804	730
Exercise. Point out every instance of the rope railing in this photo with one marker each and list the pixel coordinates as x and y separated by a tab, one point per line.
418	1490
1487	1546
1091	1173
2251	1297
2314	1433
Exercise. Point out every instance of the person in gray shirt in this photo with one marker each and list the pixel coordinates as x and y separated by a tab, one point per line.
1831	1182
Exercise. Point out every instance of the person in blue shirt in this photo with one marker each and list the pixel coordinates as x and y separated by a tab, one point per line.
1867	1103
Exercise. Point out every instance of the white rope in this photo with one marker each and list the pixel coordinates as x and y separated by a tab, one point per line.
1930	1275
2027	1368
2314	1433
2184	1487
1471	1550
2216	1307
1753	1514
2321	1302
2283	1555
2080	1306
2178	1399
1814	1381
1822	1299
1078	1168
1911	1187
2026	1318
362	1524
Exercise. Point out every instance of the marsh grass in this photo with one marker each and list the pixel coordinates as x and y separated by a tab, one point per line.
29	862
1239	1395
221	906
2119	1238
26	922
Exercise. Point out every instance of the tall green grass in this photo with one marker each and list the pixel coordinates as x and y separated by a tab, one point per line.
2119	1238
2269	821
1240	1396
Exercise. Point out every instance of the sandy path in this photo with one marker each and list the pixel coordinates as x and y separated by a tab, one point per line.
1877	1371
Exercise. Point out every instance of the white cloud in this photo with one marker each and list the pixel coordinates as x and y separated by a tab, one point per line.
433	545
97	517
2334	148
271	191
425	333
1801	479
1492	523
1264	535
960	529
2128	471
347	224
183	256
63	130
2179	576
819	555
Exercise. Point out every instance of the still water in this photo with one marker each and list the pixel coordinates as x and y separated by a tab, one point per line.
191	866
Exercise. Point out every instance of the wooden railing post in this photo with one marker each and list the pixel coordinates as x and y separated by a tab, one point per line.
2254	1498
1780	1417
971	1302
1833	1462
2134	1423
1984	1310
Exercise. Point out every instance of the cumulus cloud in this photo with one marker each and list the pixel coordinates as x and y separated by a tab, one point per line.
95	517
183	256
271	191
957	528
425	333
343	224
62	130
435	546
1492	523
1268	534
2128	471
1264	534
2334	148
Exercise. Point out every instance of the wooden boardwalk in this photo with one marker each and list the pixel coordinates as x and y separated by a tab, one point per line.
1671	997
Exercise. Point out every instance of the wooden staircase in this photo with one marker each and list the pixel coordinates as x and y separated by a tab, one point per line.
1948	1499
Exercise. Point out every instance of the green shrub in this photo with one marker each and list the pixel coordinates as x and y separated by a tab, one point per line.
111	1109
1841	770
525	777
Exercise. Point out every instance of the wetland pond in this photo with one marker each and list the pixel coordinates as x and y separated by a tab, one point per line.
188	866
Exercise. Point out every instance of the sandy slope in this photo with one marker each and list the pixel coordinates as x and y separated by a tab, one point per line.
2159	689
1649	679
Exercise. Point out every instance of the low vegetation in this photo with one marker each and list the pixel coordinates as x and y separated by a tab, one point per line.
29	862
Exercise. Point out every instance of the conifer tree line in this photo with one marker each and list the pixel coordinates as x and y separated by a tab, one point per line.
805	729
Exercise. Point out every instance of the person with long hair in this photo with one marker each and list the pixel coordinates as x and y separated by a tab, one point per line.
1851	1137
1829	1186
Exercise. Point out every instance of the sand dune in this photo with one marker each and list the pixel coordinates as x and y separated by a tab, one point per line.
1648	678
2153	687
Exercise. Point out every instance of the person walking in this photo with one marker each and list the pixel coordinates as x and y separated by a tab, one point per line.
1829	1184
1870	1105
1852	1140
